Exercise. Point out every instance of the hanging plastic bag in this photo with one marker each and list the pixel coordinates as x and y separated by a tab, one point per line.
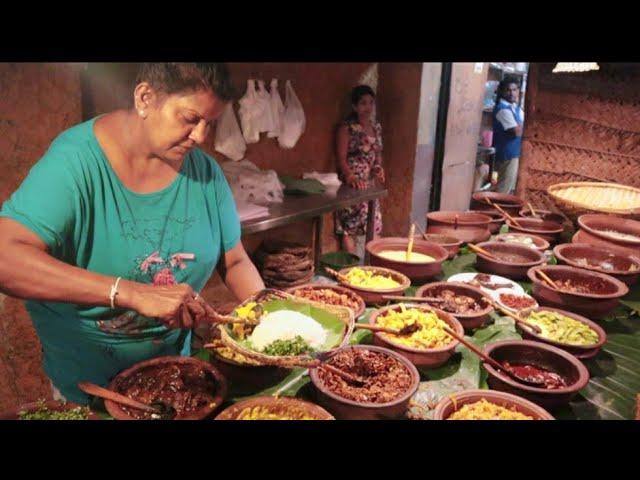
265	119
293	121
277	110
229	140
250	111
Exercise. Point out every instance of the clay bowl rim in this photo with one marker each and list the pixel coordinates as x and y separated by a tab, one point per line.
583	219
362	306
55	405
454	243
523	248
413	371
579	384
602	335
232	411
487	310
500	291
558	253
542	244
480	222
523	213
496	216
490	396
444	254
623	289
452	322
550	231
218	397
406	282
512	200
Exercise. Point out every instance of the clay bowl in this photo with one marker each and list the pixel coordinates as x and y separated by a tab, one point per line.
463	234
372	296
468	320
116	411
541	355
450	244
540	243
497	219
577	351
460	219
53	405
603	299
571	253
420	357
509	203
550	231
341	290
347	409
512	270
582	236
449	405
276	405
417	272
546	215
594	223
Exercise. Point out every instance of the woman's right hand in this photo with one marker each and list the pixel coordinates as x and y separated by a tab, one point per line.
173	305
353	182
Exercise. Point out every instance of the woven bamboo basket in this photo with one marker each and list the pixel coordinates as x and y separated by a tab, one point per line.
344	314
580	198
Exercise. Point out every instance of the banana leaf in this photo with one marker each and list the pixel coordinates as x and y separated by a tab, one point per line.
300	186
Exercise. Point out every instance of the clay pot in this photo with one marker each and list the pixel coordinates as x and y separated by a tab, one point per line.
540	243
451	244
590	305
509	203
468	320
543	356
550	231
375	297
341	290
52	405
420	357
570	253
497	219
514	271
346	409
276	403
417	272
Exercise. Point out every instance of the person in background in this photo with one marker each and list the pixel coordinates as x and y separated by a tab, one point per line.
508	118
119	226
359	153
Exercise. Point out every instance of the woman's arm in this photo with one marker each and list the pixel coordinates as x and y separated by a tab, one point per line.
239	273
342	145
27	271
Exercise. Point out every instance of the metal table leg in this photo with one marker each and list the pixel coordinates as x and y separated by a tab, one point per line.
317	242
371	216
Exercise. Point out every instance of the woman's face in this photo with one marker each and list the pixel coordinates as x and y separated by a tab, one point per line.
365	106
177	122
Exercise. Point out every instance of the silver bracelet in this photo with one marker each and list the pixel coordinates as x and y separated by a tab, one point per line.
114	292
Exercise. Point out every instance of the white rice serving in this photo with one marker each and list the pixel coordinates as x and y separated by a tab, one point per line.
286	325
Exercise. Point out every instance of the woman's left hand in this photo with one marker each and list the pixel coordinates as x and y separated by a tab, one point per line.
380	176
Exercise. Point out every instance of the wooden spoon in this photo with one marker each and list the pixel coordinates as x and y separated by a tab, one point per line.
413	299
412	232
494	363
550	282
515	317
406	330
500	209
533	212
98	391
481	250
422	232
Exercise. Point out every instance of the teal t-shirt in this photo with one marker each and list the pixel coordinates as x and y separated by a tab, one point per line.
73	200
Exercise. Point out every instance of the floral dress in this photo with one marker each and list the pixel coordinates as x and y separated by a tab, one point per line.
363	157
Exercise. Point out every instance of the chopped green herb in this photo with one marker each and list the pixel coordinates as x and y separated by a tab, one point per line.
284	348
43	413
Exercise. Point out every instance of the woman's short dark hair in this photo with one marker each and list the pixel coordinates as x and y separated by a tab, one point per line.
360	91
181	77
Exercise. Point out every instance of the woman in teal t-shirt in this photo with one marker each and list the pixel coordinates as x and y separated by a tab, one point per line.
119	225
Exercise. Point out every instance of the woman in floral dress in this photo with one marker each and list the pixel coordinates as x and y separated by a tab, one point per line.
359	151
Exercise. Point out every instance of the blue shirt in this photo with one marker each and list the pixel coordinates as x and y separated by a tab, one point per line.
73	200
506	116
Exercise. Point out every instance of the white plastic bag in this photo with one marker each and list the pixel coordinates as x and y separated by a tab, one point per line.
327	179
265	119
277	110
229	139
293	121
250	111
249	184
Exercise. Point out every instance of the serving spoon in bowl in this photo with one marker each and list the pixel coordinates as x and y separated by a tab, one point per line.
161	409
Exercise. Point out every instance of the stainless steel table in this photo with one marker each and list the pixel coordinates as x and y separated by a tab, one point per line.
296	208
